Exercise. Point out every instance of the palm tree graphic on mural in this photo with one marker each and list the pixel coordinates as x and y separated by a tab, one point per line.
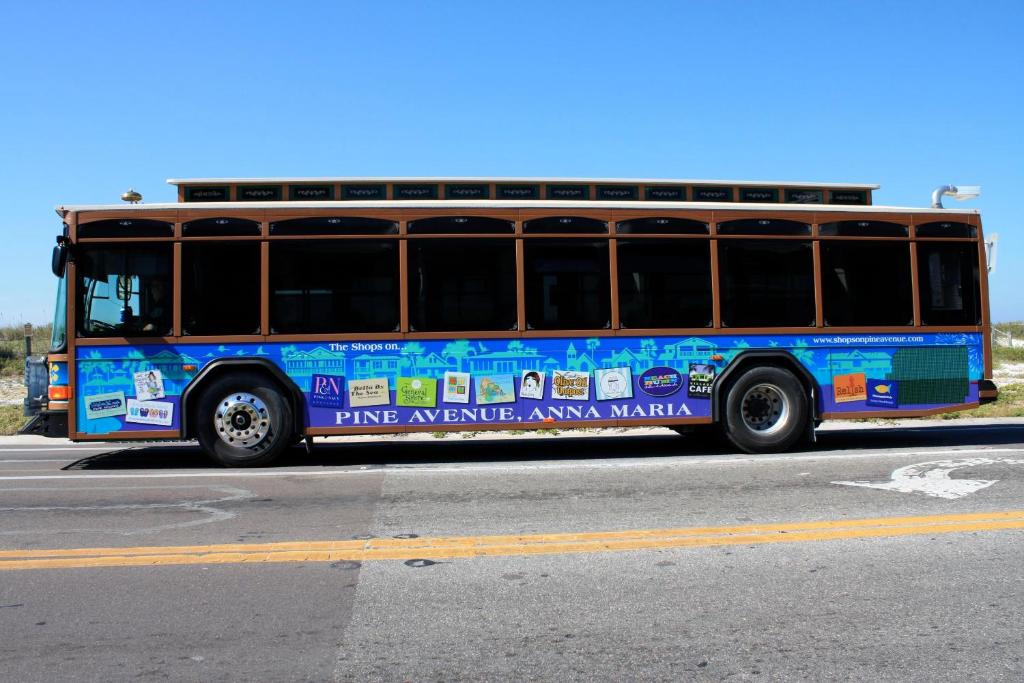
649	347
459	349
411	352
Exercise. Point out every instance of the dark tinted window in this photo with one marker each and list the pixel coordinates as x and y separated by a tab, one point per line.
664	283
216	298
946	229
866	283
333	225
124	291
462	285
565	224
948	282
220	227
459	225
661	226
766	283
337	286
763	226
567	284
863	228
126	227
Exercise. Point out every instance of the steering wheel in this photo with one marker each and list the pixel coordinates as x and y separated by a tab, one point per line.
100	326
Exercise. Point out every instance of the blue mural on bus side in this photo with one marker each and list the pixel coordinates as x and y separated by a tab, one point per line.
527	381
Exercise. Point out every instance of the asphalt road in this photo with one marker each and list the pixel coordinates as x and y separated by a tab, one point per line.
652	557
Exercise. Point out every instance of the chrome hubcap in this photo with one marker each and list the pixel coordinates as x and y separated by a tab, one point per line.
242	420
765	408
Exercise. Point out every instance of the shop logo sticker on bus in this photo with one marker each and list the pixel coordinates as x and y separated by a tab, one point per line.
416	392
661	381
328	391
150	412
569	385
368	392
700	379
883	393
104	405
532	385
456	387
495	389
613	383
849	388
149	385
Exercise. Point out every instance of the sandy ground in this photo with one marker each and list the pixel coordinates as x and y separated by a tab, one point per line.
1009	373
12	391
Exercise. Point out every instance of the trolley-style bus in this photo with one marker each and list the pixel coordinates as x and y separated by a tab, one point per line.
253	313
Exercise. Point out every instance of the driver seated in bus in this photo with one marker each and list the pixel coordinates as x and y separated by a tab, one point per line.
156	312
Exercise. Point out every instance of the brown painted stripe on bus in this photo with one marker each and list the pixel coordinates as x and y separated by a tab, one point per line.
176	290
511	426
819	307
986	320
520	280
554	334
72	331
923	412
130	436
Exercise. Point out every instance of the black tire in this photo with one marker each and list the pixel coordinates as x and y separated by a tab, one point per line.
269	404
775	417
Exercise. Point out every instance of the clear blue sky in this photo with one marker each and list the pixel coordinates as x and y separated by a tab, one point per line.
97	97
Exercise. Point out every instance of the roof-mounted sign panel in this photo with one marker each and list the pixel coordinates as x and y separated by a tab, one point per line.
524	189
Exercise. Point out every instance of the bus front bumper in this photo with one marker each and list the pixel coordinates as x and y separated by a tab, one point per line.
987	391
51	423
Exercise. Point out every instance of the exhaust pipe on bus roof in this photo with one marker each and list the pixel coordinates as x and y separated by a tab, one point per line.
961	193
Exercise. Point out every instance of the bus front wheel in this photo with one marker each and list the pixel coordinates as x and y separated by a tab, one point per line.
242	420
766	410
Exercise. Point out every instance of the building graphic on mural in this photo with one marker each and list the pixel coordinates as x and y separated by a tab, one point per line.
691	350
877	364
301	365
367	366
513	359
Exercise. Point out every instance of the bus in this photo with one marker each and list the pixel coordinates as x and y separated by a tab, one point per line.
254	314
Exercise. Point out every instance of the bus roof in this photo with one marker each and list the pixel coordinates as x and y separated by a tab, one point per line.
511	204
178	182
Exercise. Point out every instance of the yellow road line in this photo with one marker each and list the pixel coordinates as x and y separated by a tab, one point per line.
509	545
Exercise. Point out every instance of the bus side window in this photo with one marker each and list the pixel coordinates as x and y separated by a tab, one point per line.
866	283
568	284
216	299
124	291
766	283
664	283
462	285
948	281
334	286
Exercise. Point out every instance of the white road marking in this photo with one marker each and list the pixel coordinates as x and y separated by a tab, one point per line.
4	462
206	508
672	461
45	449
932	478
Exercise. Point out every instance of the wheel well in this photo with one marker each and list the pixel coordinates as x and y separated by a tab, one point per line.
779	359
226	366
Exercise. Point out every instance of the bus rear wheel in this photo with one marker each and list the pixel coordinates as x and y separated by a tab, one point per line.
766	410
242	420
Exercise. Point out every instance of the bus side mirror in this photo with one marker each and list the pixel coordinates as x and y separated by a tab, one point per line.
59	260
